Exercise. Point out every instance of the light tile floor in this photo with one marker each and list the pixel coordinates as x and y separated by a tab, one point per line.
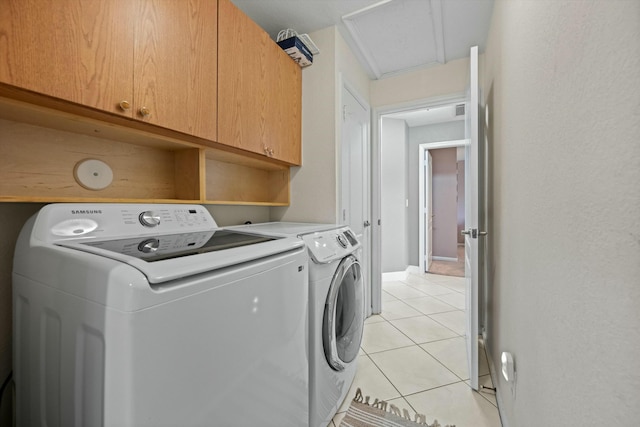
414	355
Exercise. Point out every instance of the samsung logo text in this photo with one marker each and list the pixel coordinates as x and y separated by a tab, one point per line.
86	212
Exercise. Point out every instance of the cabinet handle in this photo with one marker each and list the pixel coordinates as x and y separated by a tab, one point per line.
145	112
268	151
124	105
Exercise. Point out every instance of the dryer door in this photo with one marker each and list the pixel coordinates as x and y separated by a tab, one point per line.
343	321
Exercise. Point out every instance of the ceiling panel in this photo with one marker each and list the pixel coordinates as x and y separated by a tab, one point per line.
395	35
388	37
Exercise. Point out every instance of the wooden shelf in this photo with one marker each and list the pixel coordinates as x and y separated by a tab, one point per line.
40	147
240	184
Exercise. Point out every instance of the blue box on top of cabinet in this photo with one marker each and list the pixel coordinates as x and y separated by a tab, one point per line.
297	51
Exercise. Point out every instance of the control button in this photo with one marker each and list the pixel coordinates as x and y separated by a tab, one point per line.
149	218
149	245
350	237
342	241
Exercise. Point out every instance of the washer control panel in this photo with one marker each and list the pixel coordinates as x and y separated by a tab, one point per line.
65	221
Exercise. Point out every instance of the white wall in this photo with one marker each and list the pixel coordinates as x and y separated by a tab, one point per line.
561	86
449	131
393	195
433	82
315	187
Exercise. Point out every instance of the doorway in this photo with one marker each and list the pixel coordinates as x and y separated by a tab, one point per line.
447	111
441	207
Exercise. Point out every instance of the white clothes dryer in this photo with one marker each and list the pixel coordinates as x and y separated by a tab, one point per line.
336	310
151	315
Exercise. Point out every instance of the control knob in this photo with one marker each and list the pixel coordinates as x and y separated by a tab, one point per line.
149	245
149	218
342	241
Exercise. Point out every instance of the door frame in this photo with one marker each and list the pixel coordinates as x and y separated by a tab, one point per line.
422	229
376	184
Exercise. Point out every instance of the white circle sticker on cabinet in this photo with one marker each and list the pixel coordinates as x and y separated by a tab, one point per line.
93	174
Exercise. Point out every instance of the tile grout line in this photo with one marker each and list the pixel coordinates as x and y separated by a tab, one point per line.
409	346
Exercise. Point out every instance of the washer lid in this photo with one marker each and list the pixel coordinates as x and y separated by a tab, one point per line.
163	247
168	257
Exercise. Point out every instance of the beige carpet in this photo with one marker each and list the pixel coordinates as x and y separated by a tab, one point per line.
449	268
362	413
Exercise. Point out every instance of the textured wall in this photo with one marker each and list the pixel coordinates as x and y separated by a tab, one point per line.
561	86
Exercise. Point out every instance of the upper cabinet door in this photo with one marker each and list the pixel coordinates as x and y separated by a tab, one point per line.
259	89
77	50
175	79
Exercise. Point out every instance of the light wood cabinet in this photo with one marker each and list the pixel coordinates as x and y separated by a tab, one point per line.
174	75
81	51
259	90
66	66
150	60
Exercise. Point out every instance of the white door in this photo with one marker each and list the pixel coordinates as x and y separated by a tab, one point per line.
472	232
355	181
429	210
425	227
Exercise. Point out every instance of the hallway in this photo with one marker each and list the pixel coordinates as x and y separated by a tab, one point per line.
414	355
449	268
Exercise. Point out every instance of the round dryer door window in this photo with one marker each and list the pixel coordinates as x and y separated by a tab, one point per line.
343	322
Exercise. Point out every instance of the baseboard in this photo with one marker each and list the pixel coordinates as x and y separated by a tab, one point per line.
394	275
444	258
495	380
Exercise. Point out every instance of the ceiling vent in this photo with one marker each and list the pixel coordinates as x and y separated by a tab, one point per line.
459	110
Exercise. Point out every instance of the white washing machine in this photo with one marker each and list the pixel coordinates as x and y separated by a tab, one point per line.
336	310
151	315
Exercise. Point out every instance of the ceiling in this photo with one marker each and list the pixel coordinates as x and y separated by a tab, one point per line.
388	37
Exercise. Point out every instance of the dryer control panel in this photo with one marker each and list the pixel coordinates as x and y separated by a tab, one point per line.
327	246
